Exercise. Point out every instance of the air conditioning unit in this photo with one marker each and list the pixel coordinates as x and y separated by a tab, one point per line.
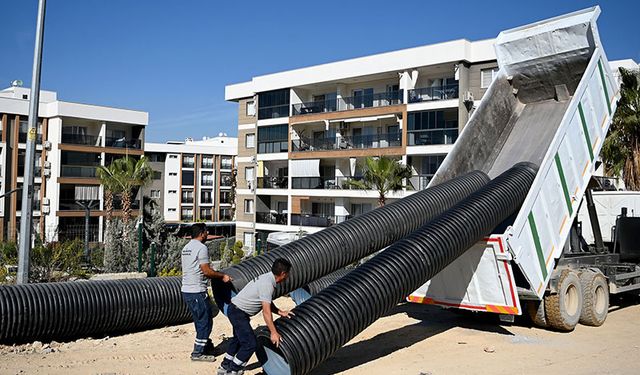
467	97
45	210
47	164
47	145
46	172
45	201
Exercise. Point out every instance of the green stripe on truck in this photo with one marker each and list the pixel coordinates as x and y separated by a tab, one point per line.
536	241
587	139
563	181
604	86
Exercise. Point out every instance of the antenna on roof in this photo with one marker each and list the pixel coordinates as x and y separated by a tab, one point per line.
16	83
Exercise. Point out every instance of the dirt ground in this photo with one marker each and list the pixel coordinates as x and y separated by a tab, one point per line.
411	339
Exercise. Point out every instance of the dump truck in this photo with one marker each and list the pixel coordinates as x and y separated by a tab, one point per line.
551	104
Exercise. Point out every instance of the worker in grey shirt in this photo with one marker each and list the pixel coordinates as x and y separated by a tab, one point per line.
255	296
195	271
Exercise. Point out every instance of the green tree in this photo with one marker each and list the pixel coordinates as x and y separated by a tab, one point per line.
110	179
382	174
237	253
621	149
132	174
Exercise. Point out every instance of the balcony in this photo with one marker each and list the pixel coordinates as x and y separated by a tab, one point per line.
81	139
206	165
275	111
187	199
82	171
272	147
428	94
206	182
271	218
419	182
188	163
123	142
313	220
348	142
323	182
273	182
432	137
225	164
372	100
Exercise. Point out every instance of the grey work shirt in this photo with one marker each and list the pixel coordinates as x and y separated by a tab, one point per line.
254	293
194	254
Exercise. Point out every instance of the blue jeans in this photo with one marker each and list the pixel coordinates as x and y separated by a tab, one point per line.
243	343
202	313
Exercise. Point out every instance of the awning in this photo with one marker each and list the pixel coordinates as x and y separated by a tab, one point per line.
305	168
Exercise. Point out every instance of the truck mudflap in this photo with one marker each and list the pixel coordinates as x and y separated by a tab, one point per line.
480	280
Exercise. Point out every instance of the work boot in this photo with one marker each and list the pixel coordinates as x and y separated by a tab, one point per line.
203	357
222	371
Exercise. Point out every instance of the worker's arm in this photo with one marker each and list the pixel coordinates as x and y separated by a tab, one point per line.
282	313
210	273
268	318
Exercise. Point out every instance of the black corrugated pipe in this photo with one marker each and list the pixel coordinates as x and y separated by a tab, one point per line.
336	247
302	294
75	309
334	316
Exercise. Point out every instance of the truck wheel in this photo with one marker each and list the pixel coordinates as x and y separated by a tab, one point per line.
536	313
596	298
564	307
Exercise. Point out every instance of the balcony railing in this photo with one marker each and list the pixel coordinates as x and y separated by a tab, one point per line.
206	182
381	99
188	164
348	142
226	164
339	182
187	218
273	182
207	165
123	143
81	139
187	200
273	111
427	94
271	218
225	199
432	137
206	199
78	171
314	220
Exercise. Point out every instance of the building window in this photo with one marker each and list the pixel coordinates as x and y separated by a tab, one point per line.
226	162
250	140
207	179
248	239
157	175
273	139
248	206
225	179
187	196
251	108
188	161
206	214
187	178
248	174
273	104
225	197
171	209
487	76
432	127
225	214
186	214
155	157
207	161
173	156
206	196
174	174
155	194
173	192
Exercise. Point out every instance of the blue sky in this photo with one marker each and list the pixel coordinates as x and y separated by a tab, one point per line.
173	58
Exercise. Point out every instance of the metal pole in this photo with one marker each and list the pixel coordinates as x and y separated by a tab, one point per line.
140	245
152	272
87	216
27	191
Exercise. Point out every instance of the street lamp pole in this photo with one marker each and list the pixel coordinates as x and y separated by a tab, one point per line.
27	191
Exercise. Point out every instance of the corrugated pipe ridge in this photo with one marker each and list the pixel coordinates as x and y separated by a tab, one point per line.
326	322
316	286
321	253
76	309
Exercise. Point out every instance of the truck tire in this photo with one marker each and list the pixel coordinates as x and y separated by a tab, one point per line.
595	290
537	314
564	307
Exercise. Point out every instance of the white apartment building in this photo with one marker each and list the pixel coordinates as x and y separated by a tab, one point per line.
193	180
304	132
73	139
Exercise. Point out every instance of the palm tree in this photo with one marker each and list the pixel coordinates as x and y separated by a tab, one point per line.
110	179
132	174
621	149
383	174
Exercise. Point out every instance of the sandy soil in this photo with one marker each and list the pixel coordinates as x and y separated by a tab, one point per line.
412	339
